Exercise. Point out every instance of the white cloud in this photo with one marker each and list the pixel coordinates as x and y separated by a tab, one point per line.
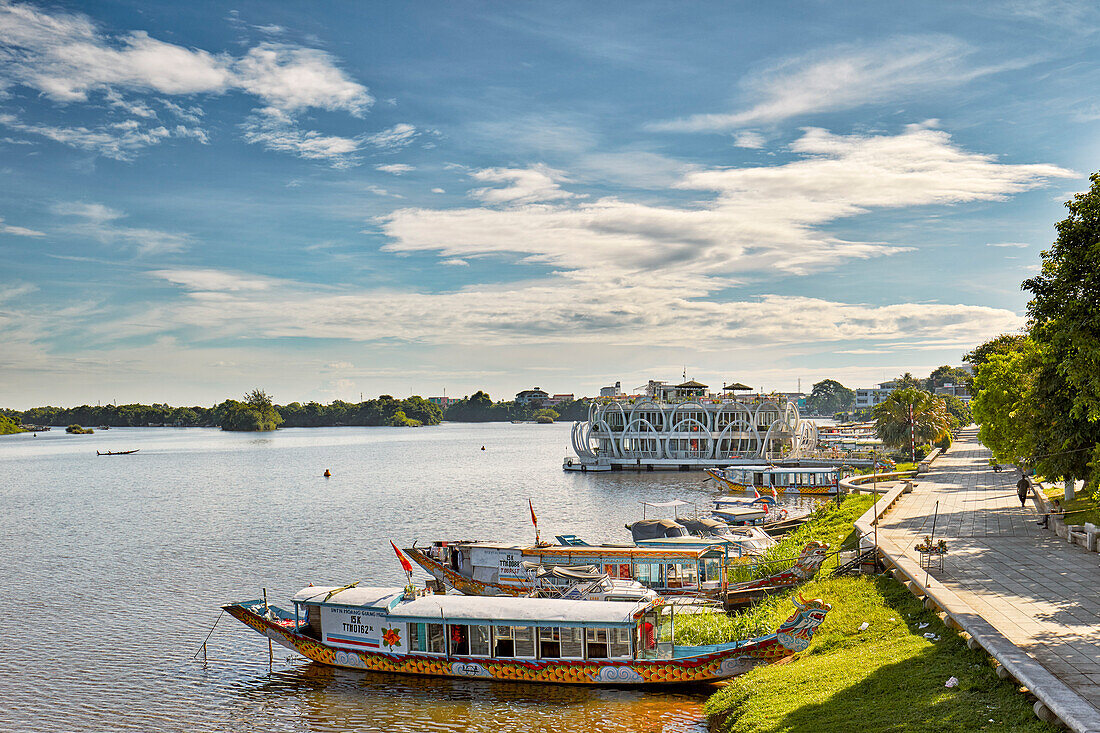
455	262
393	138
277	131
99	222
119	140
748	139
525	185
19	231
438	190
65	57
293	78
843	78
753	219
214	281
395	168
1020	245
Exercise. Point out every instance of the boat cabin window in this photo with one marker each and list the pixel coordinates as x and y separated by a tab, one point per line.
560	642
712	570
513	641
426	638
313	619
647	573
468	640
607	643
682	574
617	570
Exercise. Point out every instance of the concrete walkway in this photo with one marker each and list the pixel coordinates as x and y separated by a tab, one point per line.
1040	592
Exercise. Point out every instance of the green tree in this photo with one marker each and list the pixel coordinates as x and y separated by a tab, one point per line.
547	413
830	396
256	413
909	417
1065	322
906	381
946	375
1005	402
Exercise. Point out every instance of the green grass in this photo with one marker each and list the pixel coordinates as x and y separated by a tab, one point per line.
829	523
886	678
1082	509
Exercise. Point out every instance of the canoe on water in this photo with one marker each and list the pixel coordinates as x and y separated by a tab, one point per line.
117	452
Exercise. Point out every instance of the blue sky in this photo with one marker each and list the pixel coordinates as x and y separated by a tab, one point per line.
344	198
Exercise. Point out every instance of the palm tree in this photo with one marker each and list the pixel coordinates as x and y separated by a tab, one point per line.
910	416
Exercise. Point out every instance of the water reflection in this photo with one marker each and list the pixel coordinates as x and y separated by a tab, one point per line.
313	697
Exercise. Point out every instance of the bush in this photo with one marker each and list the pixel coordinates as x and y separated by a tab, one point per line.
944	443
77	430
922	451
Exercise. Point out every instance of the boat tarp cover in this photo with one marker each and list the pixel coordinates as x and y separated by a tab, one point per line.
651	529
704	525
575	572
480	609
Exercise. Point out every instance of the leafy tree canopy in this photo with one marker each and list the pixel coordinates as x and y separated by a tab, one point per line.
830	396
909	417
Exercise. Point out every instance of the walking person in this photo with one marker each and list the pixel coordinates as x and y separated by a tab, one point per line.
1023	487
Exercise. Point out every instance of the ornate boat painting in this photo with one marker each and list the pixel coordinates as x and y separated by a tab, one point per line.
519	639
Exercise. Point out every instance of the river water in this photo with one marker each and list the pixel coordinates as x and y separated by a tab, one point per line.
115	568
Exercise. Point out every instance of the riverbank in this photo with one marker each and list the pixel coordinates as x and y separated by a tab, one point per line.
888	676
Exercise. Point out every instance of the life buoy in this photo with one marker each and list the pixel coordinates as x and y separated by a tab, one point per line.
782	513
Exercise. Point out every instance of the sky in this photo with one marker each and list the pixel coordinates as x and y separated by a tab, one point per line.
361	198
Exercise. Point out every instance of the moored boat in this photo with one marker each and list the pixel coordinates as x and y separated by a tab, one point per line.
815	480
498	569
519	639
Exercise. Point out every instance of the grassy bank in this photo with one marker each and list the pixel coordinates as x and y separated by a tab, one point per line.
829	523
1082	509
888	677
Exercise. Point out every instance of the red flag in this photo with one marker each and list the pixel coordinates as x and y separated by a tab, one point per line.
404	561
534	519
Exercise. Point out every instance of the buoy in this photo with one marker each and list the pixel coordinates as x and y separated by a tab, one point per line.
482	447
327	474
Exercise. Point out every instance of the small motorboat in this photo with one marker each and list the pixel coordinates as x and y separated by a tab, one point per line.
117	452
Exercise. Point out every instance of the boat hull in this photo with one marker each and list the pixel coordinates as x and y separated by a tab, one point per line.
718	665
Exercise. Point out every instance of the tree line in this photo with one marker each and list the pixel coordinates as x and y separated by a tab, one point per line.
257	411
1038	392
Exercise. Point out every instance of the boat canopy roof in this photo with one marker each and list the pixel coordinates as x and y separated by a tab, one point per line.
582	554
648	529
704	525
499	610
663	504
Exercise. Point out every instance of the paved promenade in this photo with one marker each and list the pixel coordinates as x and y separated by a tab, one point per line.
1039	591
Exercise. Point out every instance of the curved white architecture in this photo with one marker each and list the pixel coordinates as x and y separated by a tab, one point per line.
690	433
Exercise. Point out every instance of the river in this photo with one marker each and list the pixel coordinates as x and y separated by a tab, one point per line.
115	567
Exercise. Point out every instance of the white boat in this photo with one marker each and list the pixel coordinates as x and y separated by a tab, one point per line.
397	630
585	583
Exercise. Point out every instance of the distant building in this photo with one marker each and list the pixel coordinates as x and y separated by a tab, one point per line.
799	398
613	391
956	390
871	396
532	396
560	398
443	402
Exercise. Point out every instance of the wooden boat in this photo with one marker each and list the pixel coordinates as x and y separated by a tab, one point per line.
117	452
517	639
779	479
496	569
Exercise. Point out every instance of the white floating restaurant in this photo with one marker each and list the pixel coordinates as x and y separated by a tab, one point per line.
683	426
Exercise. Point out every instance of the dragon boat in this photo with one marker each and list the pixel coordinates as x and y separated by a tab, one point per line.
556	641
687	566
815	481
